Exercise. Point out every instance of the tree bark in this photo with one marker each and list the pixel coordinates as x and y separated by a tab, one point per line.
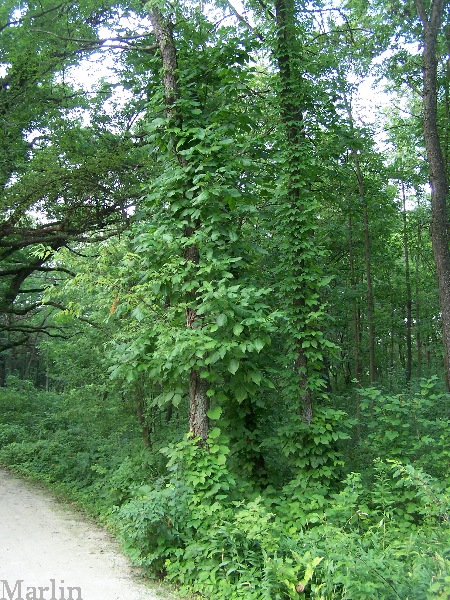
198	406
437	169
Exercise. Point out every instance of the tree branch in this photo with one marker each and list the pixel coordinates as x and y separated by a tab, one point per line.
92	43
83	319
244	21
34	267
420	6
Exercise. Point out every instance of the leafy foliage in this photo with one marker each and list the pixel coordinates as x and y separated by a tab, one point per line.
219	224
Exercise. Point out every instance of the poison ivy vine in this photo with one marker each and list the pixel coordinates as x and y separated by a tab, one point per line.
205	323
298	213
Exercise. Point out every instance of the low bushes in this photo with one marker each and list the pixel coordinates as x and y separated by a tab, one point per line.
184	511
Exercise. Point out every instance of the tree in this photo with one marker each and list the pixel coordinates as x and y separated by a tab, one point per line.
432	22
67	175
298	213
198	386
190	231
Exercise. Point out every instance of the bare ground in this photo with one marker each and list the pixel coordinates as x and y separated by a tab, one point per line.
45	544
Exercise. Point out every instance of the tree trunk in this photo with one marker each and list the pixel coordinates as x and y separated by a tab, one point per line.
370	296
447	101
355	319
438	178
142	420
408	291
2	369
370	300
199	401
292	118
417	303
198	406
391	346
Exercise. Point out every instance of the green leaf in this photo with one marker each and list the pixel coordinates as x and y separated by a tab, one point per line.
256	377
214	413
156	123
258	344
214	433
238	329
221	319
233	365
241	394
221	459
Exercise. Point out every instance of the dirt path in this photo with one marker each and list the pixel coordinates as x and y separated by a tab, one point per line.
44	544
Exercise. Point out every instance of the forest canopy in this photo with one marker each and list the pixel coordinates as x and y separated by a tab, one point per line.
225	284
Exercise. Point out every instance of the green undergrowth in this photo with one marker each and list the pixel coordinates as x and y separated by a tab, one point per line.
73	442
370	521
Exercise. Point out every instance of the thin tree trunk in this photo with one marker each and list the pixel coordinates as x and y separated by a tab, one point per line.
2	369
199	401
417	303
370	300
369	286
438	178
47	372
355	320
391	347
142	419
31	359
401	356
408	369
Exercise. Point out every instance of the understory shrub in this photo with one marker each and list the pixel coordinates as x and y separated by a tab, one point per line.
194	528
60	439
411	426
386	540
185	514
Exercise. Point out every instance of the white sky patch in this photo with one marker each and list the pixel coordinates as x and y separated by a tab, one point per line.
102	65
371	98
92	70
4	68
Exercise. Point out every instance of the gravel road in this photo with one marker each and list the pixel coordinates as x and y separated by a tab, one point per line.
44	544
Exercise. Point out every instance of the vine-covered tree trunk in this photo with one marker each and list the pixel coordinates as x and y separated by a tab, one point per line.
438	179
292	117
199	401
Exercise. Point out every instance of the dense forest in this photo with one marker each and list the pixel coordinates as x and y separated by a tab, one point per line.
225	285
